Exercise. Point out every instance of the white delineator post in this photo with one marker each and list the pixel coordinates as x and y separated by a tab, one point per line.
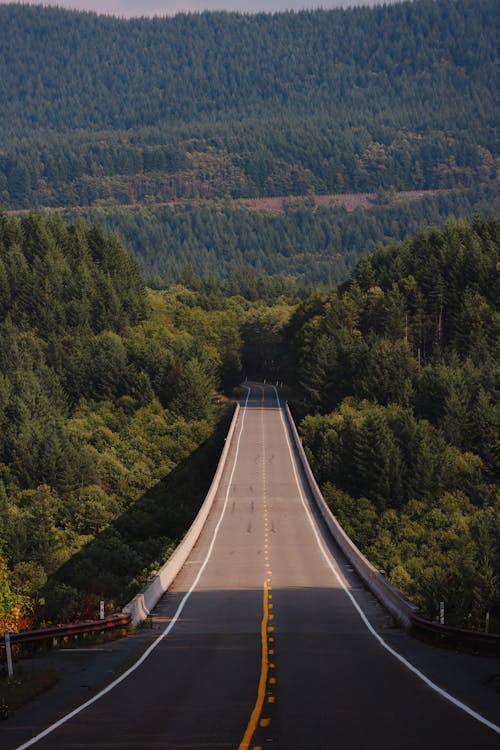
8	654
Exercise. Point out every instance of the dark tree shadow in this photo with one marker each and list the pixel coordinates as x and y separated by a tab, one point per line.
117	562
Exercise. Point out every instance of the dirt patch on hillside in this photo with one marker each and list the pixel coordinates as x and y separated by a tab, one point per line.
349	201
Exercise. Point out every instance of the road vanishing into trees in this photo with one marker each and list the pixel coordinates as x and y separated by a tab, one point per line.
262	646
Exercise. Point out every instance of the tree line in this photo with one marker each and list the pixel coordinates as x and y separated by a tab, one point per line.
397	373
268	156
216	239
97	108
62	65
105	388
107	410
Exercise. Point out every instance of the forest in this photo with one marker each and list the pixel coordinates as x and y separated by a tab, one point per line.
155	128
306	246
397	380
106	390
139	292
108	409
214	105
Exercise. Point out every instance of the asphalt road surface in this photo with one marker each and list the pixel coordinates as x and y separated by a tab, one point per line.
268	650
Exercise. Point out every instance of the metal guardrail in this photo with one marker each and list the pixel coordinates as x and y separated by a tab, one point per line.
475	639
404	611
57	633
141	605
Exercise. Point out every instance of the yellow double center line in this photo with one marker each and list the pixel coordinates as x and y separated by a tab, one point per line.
264	627
261	691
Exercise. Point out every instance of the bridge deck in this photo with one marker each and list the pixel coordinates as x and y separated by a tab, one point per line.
268	607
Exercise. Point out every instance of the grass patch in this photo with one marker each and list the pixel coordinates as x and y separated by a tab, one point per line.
22	687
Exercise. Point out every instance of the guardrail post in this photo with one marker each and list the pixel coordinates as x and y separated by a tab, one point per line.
8	654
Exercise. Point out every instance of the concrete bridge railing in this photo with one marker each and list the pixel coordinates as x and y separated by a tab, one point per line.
392	599
144	602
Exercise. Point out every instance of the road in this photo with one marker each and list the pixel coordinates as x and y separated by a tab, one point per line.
267	650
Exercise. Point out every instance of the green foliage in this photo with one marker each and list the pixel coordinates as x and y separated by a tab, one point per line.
385	454
116	562
103	392
220	240
399	333
107	418
218	104
14	607
71	280
403	425
417	507
120	117
263	346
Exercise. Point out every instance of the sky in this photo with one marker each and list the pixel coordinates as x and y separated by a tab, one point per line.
128	8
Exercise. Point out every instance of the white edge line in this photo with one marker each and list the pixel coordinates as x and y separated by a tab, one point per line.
169	627
398	656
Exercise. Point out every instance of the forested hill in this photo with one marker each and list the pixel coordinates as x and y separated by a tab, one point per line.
398	371
217	239
103	391
106	388
60	281
218	104
64	70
